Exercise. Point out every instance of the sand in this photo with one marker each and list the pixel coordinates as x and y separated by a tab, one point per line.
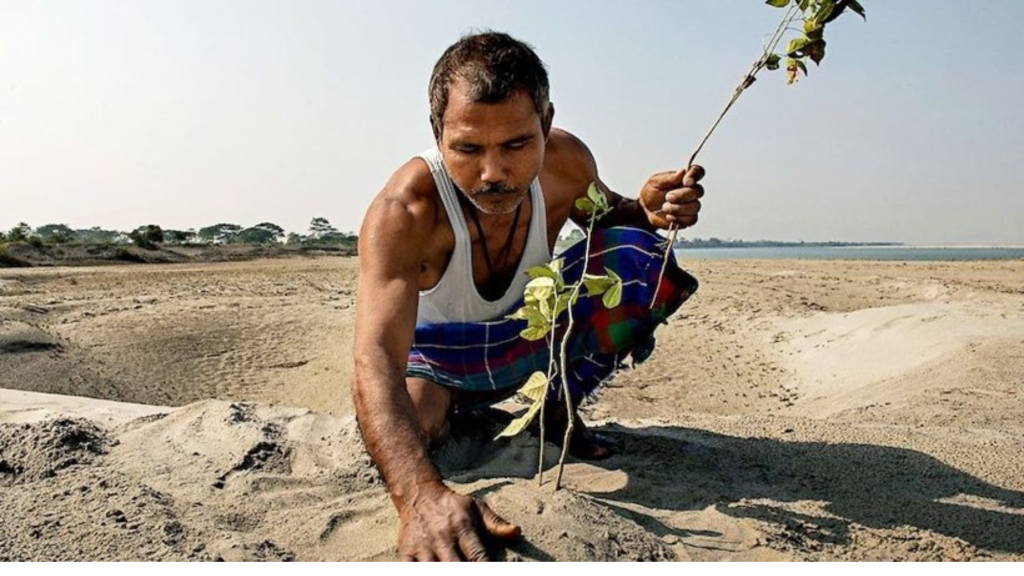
793	410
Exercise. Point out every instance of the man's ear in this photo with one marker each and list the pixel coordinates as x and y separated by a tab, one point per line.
545	122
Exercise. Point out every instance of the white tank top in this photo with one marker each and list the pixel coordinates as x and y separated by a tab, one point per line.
455	297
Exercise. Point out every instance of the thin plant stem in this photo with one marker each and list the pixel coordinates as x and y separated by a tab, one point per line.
544	399
747	81
570	409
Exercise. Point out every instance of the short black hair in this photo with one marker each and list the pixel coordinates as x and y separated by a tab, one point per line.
494	65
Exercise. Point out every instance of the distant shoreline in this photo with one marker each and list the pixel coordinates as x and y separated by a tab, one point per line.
25	255
886	253
862	246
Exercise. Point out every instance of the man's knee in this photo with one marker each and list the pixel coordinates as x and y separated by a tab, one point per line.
432	403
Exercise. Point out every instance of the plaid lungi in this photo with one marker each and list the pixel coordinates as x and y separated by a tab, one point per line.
480	357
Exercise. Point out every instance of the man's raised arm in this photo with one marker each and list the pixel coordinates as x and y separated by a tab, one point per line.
666	198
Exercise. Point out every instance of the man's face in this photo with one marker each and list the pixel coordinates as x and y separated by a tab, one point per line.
492	151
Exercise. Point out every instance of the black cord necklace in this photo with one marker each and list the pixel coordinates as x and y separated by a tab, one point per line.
507	251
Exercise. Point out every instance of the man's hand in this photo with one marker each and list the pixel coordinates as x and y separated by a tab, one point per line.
439	524
673	197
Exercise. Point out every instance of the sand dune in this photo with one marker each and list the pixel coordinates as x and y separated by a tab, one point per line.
793	410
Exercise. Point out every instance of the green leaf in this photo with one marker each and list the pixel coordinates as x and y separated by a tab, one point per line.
546	305
536	386
561	305
856	7
797	64
596	285
794	47
778	3
597	197
586	205
542	271
519	424
827	11
534	333
531	314
541	288
613	295
520	314
552	270
556	265
772	62
613	275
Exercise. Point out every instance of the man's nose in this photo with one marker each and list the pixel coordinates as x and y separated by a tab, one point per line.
493	168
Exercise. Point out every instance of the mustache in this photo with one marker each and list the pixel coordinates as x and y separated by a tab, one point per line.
496	189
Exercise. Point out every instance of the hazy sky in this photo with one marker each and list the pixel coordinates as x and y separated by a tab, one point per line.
189	113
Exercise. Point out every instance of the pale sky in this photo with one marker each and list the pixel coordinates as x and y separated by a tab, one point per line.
188	113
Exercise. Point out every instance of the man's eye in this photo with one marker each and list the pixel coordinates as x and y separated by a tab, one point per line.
467	149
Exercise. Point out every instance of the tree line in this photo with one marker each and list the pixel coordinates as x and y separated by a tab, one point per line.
151	235
682	243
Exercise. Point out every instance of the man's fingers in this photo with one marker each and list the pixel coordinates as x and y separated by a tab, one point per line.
682	221
407	558
425	556
472	548
693	175
688	209
666	181
682	195
448	554
496	525
687	176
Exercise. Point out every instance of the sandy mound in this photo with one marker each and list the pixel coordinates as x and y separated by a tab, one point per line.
792	410
219	480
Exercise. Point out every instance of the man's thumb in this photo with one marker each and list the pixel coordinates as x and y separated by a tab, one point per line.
496	525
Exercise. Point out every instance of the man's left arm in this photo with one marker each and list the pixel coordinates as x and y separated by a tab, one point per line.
666	198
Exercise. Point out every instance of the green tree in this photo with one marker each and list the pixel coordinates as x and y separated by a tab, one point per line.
178	236
219	233
255	235
56	233
147	236
19	233
320	227
274	229
98	235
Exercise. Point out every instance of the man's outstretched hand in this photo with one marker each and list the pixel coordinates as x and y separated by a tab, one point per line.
439	524
673	197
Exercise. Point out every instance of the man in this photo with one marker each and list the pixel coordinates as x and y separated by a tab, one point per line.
445	244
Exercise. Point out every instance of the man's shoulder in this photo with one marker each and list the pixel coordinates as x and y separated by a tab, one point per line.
411	182
411	187
568	160
407	206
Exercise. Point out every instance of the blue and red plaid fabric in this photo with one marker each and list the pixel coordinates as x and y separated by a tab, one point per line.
492	357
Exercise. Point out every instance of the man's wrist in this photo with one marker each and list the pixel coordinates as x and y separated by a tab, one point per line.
409	493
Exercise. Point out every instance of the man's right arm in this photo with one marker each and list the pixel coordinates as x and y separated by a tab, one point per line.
435	522
389	267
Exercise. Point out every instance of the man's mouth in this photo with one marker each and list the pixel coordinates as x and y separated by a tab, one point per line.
499	189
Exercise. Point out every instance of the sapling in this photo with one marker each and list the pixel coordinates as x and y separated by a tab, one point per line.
547	295
806	42
545	298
